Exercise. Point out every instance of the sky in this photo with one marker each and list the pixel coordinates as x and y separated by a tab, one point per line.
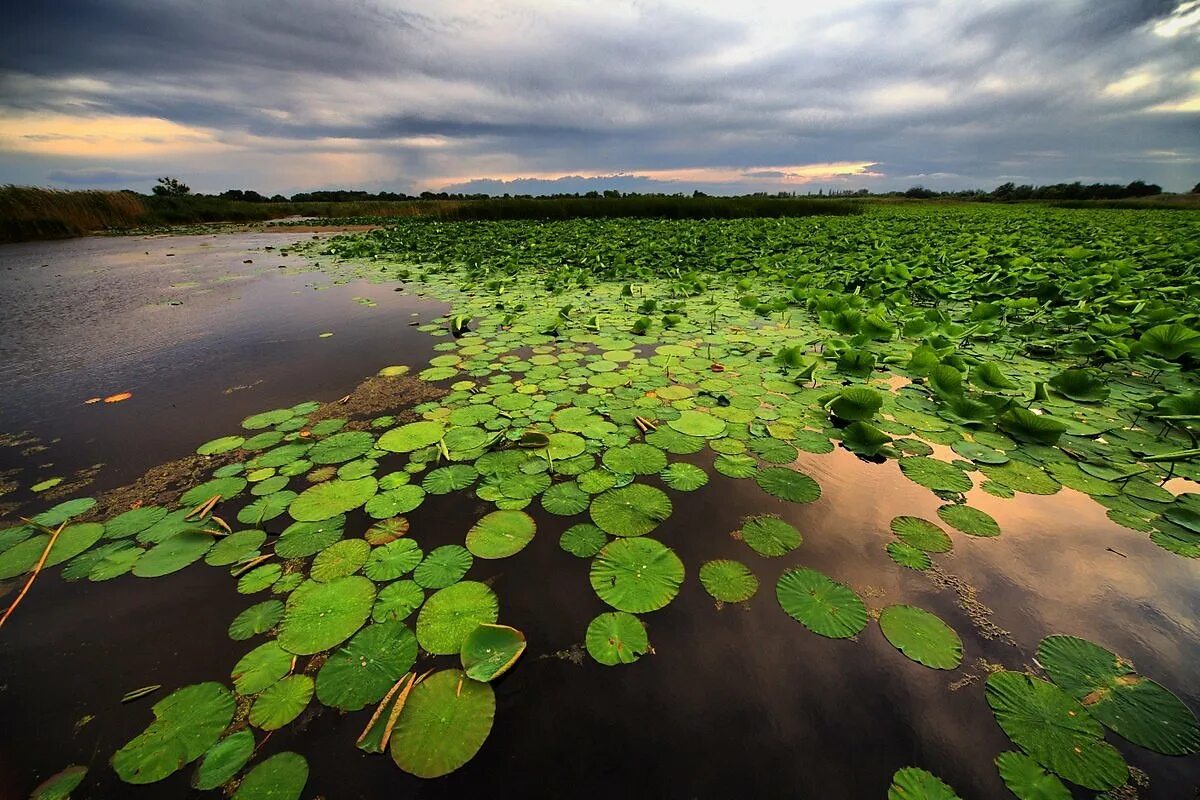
538	96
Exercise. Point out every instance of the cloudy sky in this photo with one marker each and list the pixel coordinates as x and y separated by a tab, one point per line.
551	95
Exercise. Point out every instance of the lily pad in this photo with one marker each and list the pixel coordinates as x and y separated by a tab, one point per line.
913	783
186	723
1106	685
922	534
583	540
340	559
450	614
616	638
770	536
281	702
921	636
280	777
445	721
60	785
173	555
360	672
331	498
258	618
501	534
1054	729
906	555
410	437
491	650
389	561
698	424
684	477
728	581
636	575
632	510
319	616
224	760
820	603
1025	778
788	484
443	566
260	668
934	474
970	521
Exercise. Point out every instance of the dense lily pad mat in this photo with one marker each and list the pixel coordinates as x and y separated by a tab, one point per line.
596	374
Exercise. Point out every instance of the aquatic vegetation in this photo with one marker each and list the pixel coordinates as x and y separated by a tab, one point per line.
595	373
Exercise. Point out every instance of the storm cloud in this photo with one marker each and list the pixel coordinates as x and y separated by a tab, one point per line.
288	95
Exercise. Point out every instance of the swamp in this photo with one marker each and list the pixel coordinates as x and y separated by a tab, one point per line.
900	503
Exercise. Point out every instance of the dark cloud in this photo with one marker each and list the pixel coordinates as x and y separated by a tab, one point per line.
958	93
98	176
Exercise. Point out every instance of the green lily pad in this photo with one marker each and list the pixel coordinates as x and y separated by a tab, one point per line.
820	603
583	540
331	498
389	561
226	488
301	539
319	616
491	650
340	559
970	521
921	636
360	672
906	555
260	668
934	474
173	555
1106	685
186	723
410	437
501	534
637	574
770	536
728	581
222	445
443	566
237	546
632	510
684	477
913	783
450	614
788	484
60	785
616	638
73	540
281	702
258	618
445	721
280	777
1054	729
133	522
565	499
921	534
341	447
53	517
397	601
698	424
224	760
1025	778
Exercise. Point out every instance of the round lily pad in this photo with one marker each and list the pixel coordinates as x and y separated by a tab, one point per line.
258	618
906	555
389	561
397	601
361	671
331	498
616	638
820	603
491	650
319	616
340	559
186	723
921	636
445	721
913	783
636	574
222	445
1026	779
728	581
934	474
788	484
173	554
53	517
73	540
770	536
565	499
224	760
281	702
501	534
583	540
1054	729
443	566
698	424
226	488
1106	685
280	777
133	522
260	668
632	510
60	785
237	546
450	614
970	521
341	447
684	477
412	436
921	534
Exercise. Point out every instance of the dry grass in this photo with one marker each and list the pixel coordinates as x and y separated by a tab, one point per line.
32	213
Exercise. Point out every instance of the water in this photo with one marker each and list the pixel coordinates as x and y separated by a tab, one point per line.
736	702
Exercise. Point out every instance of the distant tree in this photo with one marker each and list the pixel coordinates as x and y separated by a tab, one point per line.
611	193
920	193
171	187
1196	189
278	198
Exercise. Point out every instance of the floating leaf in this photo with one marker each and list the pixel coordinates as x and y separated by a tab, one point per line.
60	785
450	614
443	566
583	540
331	498
258	618
1135	707
632	510
186	723
224	760
636	574
970	521
1055	730
501	534
788	484
616	638
280	777
770	536
698	424
684	477
921	534
912	783
728	581
319	616
491	650
1025	778
821	604
934	474
445	721
921	636
906	555
281	702
260	668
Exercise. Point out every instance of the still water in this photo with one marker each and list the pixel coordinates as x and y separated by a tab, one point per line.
735	702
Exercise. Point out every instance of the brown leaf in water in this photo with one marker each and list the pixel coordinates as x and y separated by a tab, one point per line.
116	398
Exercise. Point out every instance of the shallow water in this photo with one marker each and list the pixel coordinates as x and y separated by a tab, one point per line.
740	701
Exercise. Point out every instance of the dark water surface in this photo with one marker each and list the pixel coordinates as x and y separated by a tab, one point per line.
736	702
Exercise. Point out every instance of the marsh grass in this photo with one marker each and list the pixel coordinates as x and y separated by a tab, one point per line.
32	213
